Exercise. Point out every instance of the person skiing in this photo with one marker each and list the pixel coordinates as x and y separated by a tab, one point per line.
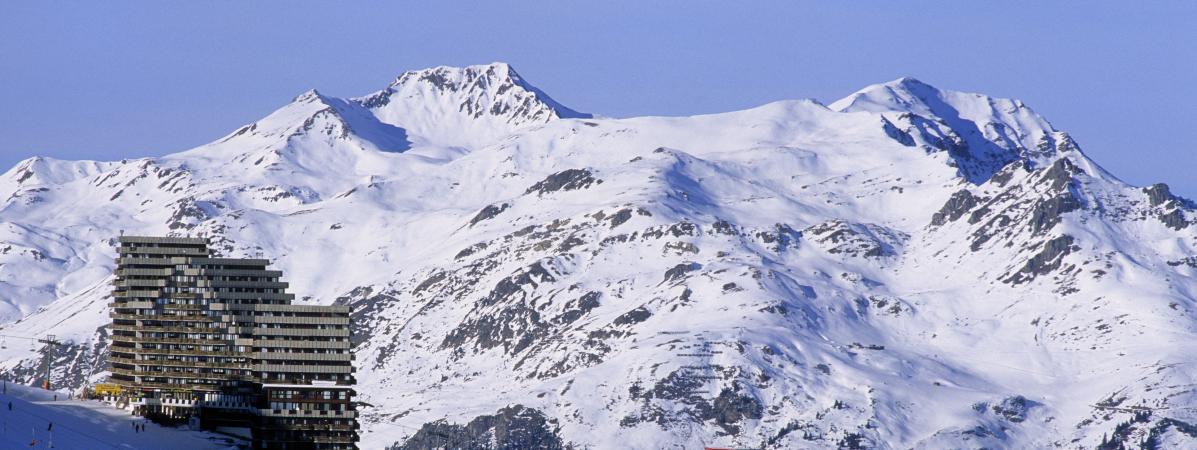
10	406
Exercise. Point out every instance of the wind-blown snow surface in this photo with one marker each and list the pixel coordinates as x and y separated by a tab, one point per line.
909	267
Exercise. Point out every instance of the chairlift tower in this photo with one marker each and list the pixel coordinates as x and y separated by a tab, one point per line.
47	355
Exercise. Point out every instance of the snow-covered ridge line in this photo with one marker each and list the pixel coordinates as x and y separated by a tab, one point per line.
787	276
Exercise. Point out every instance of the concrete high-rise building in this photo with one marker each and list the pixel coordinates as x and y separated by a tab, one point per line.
217	340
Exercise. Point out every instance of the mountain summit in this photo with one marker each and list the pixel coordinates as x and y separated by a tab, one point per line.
464	107
909	267
982	133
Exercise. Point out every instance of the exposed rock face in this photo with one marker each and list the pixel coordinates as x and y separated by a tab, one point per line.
568	180
1050	258
489	212
1013	409
511	428
957	206
856	240
1158	194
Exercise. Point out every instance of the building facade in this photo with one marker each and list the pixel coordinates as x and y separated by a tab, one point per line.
217	339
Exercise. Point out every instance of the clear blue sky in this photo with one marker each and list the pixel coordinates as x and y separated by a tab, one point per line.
108	80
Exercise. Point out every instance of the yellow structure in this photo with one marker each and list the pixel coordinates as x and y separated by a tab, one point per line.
109	389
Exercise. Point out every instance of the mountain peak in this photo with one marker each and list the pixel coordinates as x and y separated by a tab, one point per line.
911	95
985	132
450	77
310	96
464	106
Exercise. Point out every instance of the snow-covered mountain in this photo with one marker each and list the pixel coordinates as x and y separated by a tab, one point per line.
906	267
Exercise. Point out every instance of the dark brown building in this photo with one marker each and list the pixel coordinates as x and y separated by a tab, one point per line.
218	340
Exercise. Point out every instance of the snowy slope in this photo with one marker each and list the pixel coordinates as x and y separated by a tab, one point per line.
906	267
36	416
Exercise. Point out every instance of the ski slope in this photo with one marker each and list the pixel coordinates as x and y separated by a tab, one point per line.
86	425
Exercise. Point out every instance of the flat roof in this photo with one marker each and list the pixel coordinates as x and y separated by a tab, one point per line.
163	240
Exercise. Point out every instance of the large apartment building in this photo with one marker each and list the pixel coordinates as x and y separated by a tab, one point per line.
217	340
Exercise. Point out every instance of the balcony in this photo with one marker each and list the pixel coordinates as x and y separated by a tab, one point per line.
161	329
307	413
137	293
131	304
127	241
161	317
170	363
344	332
172	386
243	284
289	356
331	309
148	340
233	272
296	368
145	262
126	283
301	320
248	296
171	251
335	439
285	343
124	272
177	351
174	375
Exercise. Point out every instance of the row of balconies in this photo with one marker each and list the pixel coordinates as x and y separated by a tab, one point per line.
304	413
123	272
146	340
194	271
162	329
296	356
180	386
313	426
139	282
293	343
163	261
162	317
137	293
132	304
235	262
297	368
170	374
148	250
332	309
249	295
333	439
286	319
323	332
176	363
179	351
242	284
163	241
